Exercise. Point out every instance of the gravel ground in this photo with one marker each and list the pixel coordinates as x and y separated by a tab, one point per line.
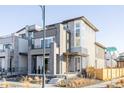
97	84
103	84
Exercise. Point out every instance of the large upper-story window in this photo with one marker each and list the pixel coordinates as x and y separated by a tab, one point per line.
77	34
41	43
5	46
67	41
30	34
38	43
8	46
65	26
23	35
32	43
78	42
77	29
78	25
1	47
48	41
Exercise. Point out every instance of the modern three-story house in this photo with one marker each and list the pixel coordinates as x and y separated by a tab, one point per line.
70	47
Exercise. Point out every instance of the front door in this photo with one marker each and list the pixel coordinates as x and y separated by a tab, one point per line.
77	64
39	64
10	65
34	65
46	65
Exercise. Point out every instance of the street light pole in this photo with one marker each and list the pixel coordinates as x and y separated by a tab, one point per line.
110	50
44	33
111	68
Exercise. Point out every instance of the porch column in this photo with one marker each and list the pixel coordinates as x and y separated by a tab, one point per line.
67	64
53	52
29	63
74	64
66	70
81	64
7	60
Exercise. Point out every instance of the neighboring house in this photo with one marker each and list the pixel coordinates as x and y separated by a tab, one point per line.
13	58
14	52
100	56
70	46
120	60
108	60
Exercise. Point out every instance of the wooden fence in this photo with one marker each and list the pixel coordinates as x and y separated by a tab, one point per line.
105	74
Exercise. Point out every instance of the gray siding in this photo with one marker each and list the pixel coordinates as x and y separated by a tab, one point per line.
49	32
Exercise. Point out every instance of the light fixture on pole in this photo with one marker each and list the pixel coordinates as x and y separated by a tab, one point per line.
44	33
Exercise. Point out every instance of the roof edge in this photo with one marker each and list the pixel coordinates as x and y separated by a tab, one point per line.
89	24
99	44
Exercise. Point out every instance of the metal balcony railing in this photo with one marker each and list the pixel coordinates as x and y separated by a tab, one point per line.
39	47
9	52
80	50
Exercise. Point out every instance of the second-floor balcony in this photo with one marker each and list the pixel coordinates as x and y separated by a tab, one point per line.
38	49
48	49
80	50
2	52
39	46
6	52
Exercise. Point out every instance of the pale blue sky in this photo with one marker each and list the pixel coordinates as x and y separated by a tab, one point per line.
108	19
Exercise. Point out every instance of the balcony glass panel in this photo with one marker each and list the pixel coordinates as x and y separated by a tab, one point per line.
38	43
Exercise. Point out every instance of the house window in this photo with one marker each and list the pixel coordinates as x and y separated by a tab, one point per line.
23	35
31	34
77	32
1	46
42	44
65	26
32	43
77	42
47	42
77	64
67	41
78	25
8	46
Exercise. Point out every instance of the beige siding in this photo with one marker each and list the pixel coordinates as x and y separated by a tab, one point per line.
100	57
89	43
62	44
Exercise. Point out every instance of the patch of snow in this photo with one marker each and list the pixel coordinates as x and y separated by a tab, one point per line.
55	80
